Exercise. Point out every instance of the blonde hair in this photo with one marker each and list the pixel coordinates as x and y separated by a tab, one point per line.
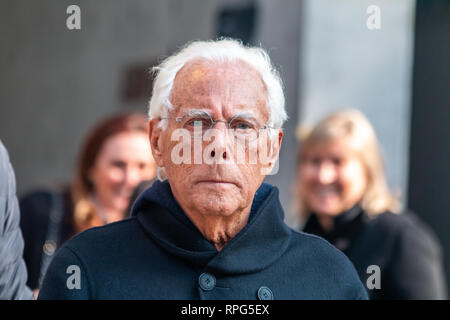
354	126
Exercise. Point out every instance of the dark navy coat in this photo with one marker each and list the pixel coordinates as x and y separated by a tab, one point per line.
159	254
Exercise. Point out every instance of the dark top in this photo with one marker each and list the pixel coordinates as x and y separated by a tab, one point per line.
406	251
158	253
36	209
13	274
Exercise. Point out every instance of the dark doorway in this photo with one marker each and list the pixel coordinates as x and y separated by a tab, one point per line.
429	176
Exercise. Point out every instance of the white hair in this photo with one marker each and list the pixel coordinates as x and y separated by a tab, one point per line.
218	51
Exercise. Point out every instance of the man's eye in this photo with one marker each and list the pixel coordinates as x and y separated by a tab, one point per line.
241	126
198	122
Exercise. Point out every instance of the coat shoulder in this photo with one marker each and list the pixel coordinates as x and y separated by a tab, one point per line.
109	236
326	263
114	247
317	247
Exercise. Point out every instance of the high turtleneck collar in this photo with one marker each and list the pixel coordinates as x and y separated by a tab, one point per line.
164	220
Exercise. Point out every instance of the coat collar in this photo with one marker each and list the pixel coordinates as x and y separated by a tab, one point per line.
260	243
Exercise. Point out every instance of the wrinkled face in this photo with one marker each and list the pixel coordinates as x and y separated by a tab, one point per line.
123	162
332	177
223	91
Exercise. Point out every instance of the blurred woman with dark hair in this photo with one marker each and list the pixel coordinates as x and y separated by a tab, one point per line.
114	159
342	196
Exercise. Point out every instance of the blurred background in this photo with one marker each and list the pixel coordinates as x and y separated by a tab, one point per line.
55	83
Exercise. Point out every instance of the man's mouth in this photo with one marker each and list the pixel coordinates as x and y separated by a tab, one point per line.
216	181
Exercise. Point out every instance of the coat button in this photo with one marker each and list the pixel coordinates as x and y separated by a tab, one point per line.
207	281
265	293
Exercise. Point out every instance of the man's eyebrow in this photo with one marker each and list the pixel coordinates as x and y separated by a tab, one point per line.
245	116
197	113
203	113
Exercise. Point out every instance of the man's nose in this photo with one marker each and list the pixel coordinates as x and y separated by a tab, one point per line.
221	141
326	173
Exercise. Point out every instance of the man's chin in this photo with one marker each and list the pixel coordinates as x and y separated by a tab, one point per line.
214	204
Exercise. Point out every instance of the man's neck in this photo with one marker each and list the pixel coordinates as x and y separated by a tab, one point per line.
219	229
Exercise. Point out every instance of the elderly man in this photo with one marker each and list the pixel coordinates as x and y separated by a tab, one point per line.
211	229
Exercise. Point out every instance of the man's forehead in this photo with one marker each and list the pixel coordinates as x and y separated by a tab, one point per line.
200	67
206	83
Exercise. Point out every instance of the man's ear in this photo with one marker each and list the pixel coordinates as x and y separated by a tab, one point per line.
155	137
280	139
275	148
270	152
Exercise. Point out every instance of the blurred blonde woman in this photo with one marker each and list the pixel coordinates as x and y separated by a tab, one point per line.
342	196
